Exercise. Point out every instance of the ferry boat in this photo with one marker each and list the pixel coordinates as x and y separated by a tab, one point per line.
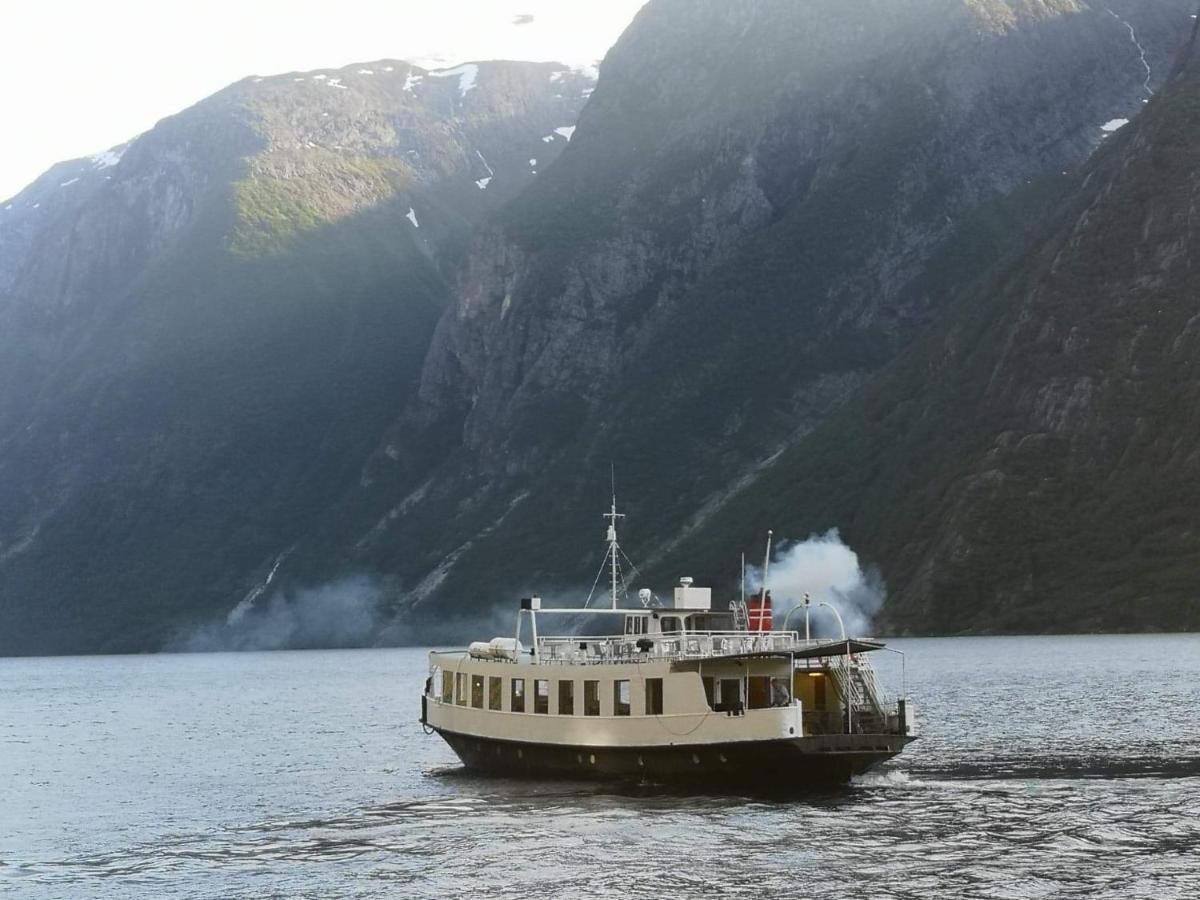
676	692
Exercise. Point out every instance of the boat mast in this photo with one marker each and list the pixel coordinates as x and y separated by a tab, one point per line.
613	547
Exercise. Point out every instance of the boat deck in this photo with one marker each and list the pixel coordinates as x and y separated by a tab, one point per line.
625	649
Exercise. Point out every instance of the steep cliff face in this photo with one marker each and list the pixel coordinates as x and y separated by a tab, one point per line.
1033	465
764	203
388	321
203	333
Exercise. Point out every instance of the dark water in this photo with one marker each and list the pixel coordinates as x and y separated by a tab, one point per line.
1049	767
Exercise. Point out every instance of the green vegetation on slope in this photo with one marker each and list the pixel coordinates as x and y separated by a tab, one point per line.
273	209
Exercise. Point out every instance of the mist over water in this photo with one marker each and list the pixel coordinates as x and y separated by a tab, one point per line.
358	611
825	569
344	613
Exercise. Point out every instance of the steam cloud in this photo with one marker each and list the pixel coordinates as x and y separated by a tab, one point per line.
345	613
826	569
354	612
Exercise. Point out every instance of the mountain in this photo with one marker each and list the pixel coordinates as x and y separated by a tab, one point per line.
204	332
1034	463
764	205
328	334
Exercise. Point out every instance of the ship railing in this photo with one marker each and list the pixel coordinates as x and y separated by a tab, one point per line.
867	699
578	650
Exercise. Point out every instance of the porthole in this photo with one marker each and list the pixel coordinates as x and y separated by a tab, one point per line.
592	758
696	758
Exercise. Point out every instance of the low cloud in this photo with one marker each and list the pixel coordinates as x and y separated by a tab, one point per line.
344	613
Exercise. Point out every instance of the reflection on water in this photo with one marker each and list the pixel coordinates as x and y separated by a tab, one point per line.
1053	767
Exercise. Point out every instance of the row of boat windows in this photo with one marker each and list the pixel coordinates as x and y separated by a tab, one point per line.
722	694
697	622
463	689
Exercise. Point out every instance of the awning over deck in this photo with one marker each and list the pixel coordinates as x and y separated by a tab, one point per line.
837	648
822	650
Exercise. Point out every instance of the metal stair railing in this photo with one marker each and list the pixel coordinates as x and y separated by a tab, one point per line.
870	688
863	689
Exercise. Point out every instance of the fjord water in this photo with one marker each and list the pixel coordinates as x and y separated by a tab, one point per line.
1047	767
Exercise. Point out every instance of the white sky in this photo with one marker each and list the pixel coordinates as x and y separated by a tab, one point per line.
79	76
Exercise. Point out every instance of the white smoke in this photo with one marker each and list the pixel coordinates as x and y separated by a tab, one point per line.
826	570
345	613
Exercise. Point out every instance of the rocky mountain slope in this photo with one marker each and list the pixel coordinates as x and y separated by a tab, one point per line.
764	204
205	332
1033	465
333	324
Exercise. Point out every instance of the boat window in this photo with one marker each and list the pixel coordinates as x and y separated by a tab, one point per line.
460	688
447	686
566	698
620	698
730	697
710	622
654	697
541	696
635	624
758	692
495	692
710	689
671	625
518	695
591	698
781	693
477	691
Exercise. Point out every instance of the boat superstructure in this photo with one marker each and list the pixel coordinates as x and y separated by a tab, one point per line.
674	691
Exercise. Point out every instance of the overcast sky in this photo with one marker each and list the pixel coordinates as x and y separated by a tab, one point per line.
79	76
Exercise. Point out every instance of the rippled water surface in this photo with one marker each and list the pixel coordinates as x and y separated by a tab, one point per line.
1048	767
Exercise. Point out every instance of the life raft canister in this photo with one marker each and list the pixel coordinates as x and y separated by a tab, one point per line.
758	613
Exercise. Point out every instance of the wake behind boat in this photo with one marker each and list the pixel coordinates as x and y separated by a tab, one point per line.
680	693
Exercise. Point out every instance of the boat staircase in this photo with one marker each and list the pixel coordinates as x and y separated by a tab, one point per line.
870	712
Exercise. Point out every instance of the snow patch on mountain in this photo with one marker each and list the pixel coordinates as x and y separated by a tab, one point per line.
108	158
467	75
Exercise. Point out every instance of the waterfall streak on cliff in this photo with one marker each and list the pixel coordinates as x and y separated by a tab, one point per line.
1141	53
